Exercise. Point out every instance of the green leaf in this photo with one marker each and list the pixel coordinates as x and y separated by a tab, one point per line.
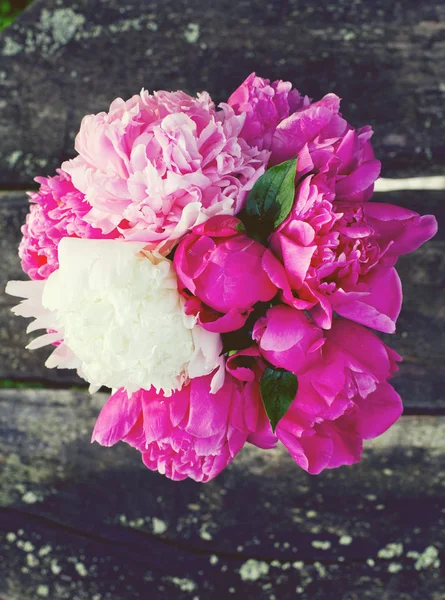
278	390
271	199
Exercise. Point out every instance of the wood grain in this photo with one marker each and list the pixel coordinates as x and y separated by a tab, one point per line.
81	521
64	59
15	361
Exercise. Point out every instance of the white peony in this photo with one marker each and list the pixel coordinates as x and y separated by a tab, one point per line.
117	311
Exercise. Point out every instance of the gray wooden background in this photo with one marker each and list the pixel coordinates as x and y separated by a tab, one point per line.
80	522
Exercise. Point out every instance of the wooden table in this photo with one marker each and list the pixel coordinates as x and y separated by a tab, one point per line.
81	522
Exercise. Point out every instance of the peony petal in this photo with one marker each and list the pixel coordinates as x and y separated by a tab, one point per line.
378	309
378	411
117	417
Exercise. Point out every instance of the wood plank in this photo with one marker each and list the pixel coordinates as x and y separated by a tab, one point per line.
61	60
15	361
81	521
420	337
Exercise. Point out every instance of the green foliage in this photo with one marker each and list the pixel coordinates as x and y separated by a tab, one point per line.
270	200
278	390
9	11
10	383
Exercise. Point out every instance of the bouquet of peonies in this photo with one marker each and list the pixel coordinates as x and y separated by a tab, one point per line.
221	271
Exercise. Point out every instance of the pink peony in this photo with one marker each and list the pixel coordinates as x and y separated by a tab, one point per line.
248	366
157	165
265	105
193	433
342	399
58	211
287	339
289	125
340	257
223	269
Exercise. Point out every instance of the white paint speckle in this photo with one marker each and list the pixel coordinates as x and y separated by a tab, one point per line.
185	585
55	567
11	47
394	567
214	559
29	498
63	23
429	557
13	158
43	591
321	544
321	570
191	33
45	550
81	569
28	547
345	540
32	561
159	526
11	537
252	570
391	550
204	533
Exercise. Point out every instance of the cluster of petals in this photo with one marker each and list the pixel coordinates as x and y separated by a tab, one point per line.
115	314
222	272
158	164
57	211
149	314
343	392
192	433
337	251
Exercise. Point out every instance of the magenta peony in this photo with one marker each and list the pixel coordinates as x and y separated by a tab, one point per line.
58	211
280	120
340	257
157	165
338	251
223	269
343	399
193	433
287	339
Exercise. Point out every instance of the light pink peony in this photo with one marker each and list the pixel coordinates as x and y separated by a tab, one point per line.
340	256
157	165
342	399
223	269
58	211
193	433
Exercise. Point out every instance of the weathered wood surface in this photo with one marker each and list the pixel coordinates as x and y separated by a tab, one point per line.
15	361
421	332
83	522
63	59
